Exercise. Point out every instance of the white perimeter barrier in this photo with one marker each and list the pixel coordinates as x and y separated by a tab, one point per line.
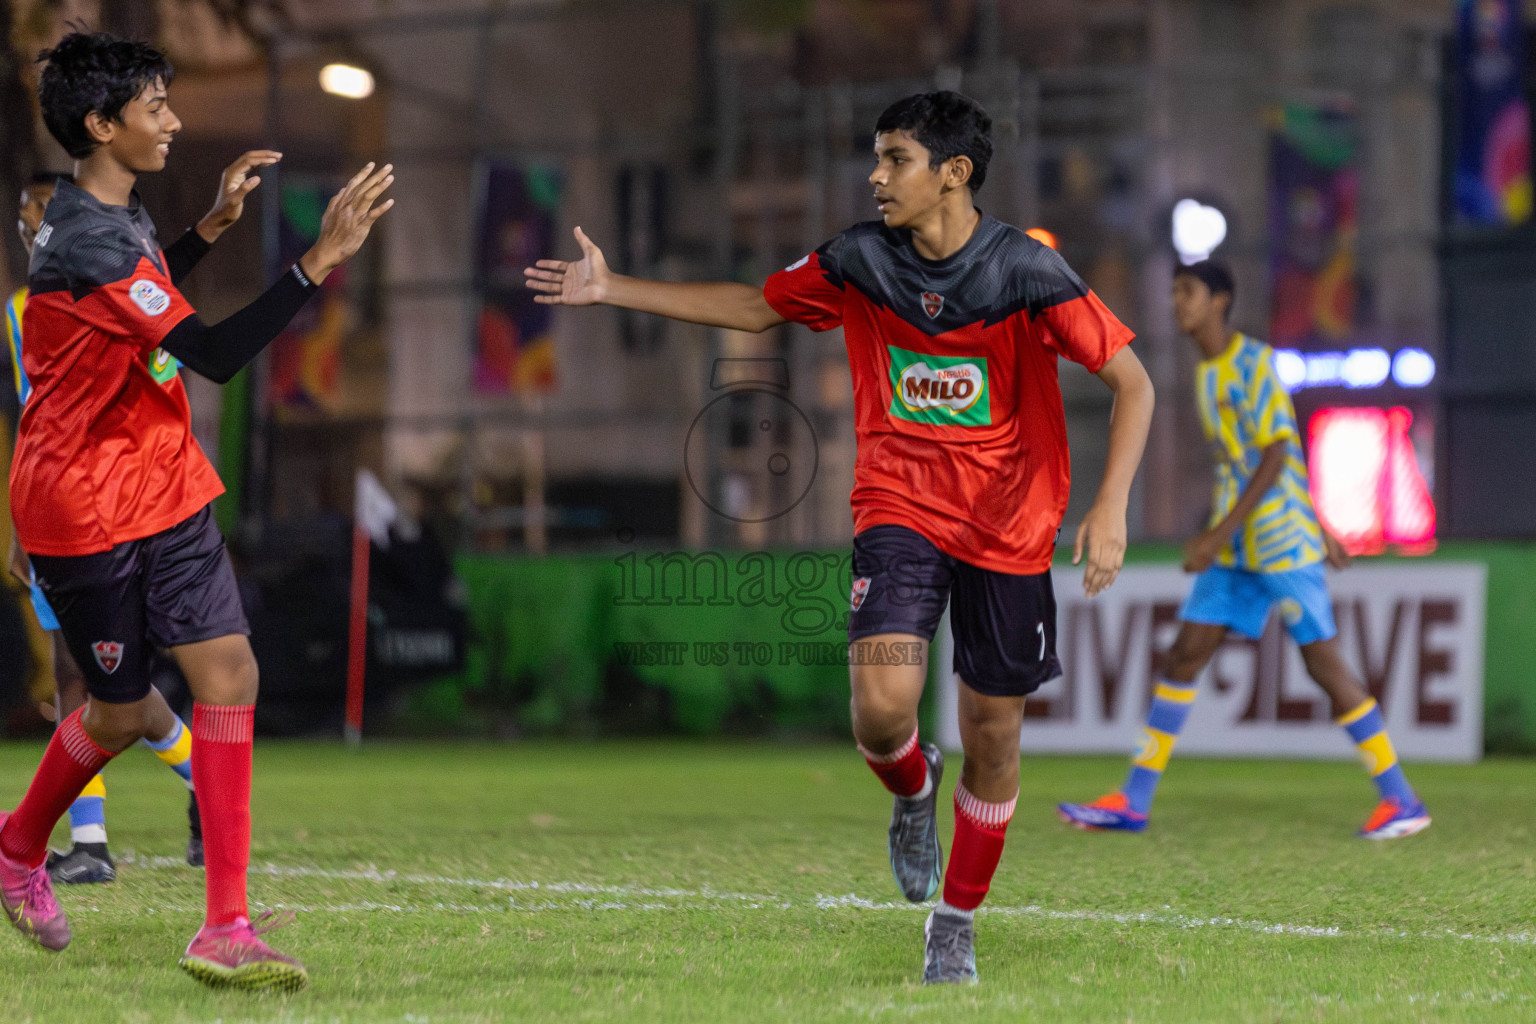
1413	633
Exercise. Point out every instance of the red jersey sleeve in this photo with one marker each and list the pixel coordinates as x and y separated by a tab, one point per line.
1085	331
127	294
144	306
810	291
1074	322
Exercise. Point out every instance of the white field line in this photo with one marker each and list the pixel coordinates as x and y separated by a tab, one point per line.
534	897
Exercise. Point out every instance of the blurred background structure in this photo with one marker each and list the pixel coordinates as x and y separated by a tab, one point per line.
1363	165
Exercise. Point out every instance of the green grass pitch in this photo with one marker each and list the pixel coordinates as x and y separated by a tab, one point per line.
711	882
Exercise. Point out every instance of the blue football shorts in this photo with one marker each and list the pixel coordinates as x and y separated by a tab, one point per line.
1241	600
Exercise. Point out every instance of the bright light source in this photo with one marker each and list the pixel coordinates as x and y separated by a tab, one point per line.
347	80
1413	368
1291	368
1325	369
1357	368
1197	230
1348	460
1366	367
1044	237
1366	483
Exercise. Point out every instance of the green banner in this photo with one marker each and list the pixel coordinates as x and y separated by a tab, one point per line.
754	644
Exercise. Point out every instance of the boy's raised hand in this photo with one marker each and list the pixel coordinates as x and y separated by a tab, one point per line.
563	283
347	220
235	184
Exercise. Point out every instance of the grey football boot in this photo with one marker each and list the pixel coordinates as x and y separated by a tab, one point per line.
949	950
917	859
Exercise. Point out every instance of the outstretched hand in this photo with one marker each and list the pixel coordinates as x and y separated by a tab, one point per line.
1103	534
347	220
235	184
561	283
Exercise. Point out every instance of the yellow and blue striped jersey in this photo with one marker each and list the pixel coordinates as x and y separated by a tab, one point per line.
1244	409
13	307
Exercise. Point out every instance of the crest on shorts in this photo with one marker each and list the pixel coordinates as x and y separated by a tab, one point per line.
109	655
860	591
933	302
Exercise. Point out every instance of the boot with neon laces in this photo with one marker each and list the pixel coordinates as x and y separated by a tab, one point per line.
1394	819
1111	813
234	956
27	896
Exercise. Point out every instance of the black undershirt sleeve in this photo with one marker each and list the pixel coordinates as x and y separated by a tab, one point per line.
184	254
221	350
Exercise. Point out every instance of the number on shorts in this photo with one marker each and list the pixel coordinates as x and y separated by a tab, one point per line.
1040	628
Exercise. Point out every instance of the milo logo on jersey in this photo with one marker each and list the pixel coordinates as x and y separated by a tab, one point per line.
950	390
163	366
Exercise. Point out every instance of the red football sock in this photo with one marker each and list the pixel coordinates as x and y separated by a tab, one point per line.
71	760
903	771
221	773
979	831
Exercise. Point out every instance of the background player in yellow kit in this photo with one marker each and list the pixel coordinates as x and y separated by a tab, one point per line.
1264	546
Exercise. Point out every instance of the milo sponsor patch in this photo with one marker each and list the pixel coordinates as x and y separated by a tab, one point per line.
163	366
950	390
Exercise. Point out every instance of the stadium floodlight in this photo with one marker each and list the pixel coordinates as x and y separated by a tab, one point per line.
1413	368
1197	230
347	80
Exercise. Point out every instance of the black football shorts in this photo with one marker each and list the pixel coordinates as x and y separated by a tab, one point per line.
116	607
1004	625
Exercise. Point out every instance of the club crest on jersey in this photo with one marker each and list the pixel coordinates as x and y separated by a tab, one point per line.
109	655
149	297
933	304
860	591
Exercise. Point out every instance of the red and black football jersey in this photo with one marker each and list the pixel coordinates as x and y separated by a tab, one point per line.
961	434
105	452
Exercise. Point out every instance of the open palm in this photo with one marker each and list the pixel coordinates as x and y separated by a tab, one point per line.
579	283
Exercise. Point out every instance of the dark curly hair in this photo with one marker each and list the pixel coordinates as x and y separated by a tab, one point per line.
94	71
946	124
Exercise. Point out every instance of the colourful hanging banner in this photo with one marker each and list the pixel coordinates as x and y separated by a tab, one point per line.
1314	185
514	342
1493	137
306	357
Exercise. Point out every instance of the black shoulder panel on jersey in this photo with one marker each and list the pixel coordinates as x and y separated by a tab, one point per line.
82	247
829	257
1001	271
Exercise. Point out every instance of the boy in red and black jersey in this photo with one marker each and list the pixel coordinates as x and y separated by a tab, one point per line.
88	859
953	323
111	492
